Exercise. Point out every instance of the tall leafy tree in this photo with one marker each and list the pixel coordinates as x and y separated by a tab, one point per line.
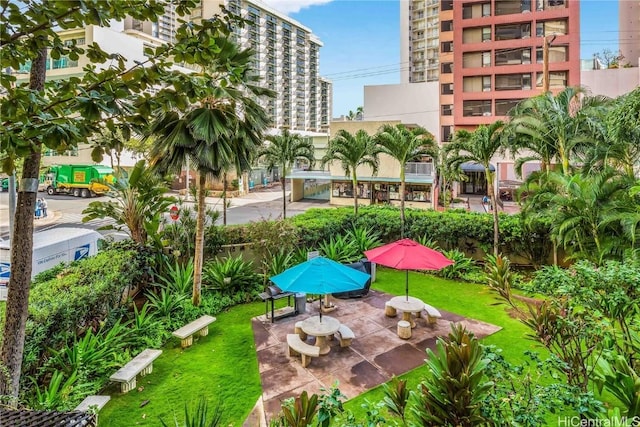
57	114
405	145
222	131
553	127
480	146
138	203
282	151
617	137
353	151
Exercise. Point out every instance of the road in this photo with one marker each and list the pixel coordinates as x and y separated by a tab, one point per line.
66	211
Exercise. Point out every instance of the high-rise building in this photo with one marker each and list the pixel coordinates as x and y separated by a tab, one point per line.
629	27
287	59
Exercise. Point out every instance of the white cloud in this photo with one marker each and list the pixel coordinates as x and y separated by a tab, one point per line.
293	6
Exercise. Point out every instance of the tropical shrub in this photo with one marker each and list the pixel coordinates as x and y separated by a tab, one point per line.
364	238
340	249
178	277
460	267
200	416
231	276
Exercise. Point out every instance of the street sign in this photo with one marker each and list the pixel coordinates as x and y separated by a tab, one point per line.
173	213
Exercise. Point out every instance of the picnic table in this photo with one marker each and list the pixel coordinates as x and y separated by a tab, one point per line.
408	306
321	330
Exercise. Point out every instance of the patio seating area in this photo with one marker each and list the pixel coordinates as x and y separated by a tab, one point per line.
374	356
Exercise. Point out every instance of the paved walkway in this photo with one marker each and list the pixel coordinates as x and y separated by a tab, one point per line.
375	355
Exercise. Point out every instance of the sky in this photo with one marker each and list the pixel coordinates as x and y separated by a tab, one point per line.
362	40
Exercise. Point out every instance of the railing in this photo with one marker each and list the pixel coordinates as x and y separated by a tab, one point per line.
419	168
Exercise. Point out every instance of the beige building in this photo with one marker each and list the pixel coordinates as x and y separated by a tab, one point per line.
382	188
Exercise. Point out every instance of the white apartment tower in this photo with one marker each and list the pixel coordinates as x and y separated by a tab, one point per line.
287	60
419	45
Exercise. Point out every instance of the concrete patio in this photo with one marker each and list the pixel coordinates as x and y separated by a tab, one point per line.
376	354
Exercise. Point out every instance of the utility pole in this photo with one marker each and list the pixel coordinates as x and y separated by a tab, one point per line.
545	62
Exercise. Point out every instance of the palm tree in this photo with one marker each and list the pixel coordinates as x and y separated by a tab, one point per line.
138	202
587	212
481	146
405	145
353	151
282	152
553	126
224	130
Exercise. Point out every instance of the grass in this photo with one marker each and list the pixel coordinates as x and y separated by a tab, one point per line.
221	367
470	300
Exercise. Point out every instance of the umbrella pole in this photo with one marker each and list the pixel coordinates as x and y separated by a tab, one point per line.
406	284
320	309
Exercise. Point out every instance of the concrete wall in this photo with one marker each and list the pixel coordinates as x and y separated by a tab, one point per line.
406	102
611	82
629	30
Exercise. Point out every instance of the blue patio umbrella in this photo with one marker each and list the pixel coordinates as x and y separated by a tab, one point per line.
320	276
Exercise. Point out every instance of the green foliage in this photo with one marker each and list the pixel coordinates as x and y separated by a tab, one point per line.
231	276
297	412
461	266
269	237
165	302
340	249
330	405
523	395
178	278
364	238
180	235
279	262
201	416
137	203
83	295
396	397
56	393
456	384
618	376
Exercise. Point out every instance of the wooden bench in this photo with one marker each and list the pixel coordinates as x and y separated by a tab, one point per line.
199	326
345	335
141	364
297	346
431	314
92	403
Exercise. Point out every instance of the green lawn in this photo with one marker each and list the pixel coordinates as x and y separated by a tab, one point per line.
221	366
470	300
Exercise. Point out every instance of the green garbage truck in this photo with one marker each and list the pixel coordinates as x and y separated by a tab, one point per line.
77	180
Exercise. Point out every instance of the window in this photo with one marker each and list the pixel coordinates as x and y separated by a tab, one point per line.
557	80
476	108
446	5
476	59
446	132
447	68
513	31
556	54
508	7
476	84
548	28
447	110
476	35
513	82
486	34
470	11
446	88
446	26
446	47
503	106
513	56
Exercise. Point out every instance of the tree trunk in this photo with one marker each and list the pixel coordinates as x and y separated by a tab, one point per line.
17	308
284	196
224	199
402	219
198	257
491	189
354	179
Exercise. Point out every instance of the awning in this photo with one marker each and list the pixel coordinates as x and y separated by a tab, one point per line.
475	167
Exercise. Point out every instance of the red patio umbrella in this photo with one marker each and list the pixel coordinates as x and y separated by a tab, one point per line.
408	255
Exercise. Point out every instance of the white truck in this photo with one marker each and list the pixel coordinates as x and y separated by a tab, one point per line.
50	248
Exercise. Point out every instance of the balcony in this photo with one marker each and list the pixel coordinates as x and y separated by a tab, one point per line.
418	169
